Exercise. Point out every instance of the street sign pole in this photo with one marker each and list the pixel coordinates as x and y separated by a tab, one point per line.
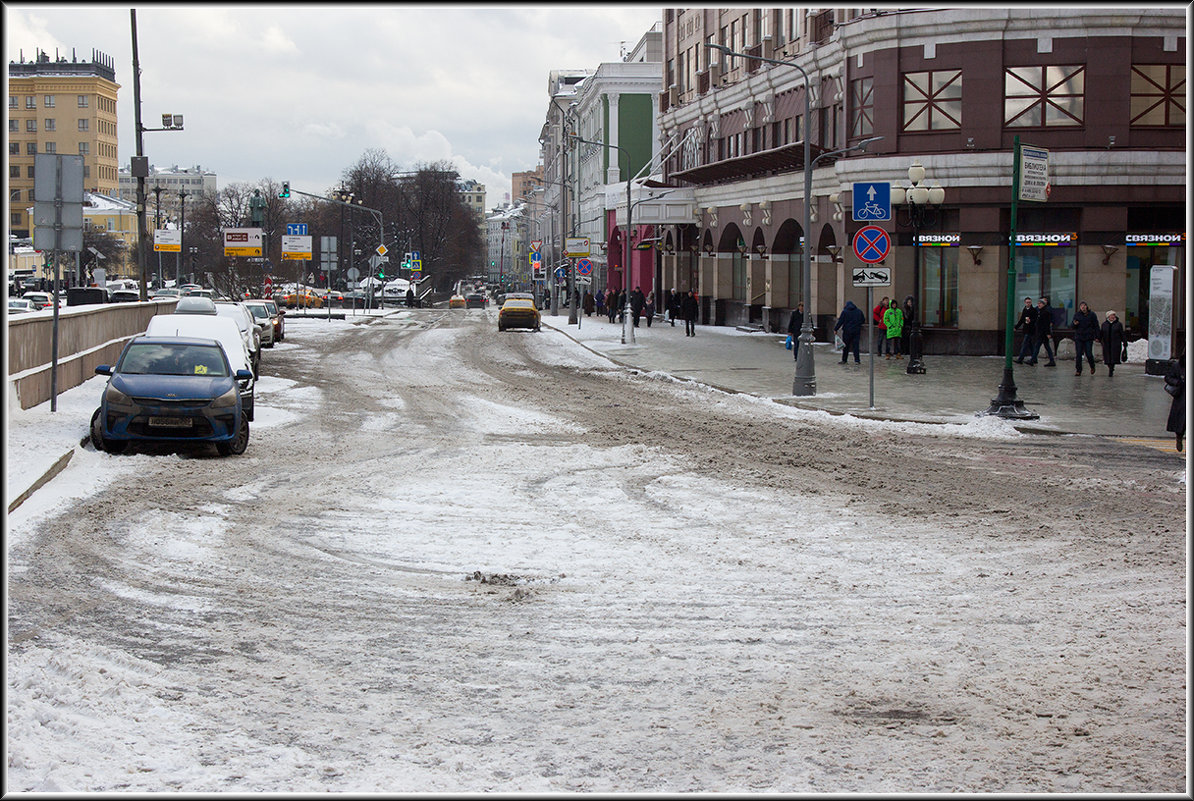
1006	404
870	337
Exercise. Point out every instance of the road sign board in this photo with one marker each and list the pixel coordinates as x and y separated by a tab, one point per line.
296	247
584	280
584	267
352	273
382	250
872	201
242	242
561	272
536	244
1034	173
296	229
167	240
872	276
871	244
576	246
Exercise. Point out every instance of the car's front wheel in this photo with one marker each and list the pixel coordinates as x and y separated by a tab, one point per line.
237	445
99	441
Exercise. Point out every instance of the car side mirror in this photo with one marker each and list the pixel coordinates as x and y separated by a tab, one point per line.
244	375
103	369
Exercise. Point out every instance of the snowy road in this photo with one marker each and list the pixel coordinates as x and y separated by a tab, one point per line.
453	561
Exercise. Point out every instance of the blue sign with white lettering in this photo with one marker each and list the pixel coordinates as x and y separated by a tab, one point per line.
872	201
296	229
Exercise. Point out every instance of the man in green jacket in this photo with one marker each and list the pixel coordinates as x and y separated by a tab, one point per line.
893	319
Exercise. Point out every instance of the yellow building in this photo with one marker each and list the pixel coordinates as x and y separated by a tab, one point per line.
119	218
60	106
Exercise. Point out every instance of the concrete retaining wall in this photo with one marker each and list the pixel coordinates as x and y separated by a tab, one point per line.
87	336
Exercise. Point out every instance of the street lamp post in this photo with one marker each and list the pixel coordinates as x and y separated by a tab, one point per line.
157	223
919	205
805	382
182	233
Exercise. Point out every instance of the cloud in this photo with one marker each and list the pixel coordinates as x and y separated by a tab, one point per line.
302	91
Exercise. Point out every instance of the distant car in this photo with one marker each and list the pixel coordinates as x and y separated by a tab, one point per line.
41	300
124	296
305	299
21	305
333	298
265	320
195	304
221	329
456	302
167	292
474	300
249	328
188	291
172	389
518	313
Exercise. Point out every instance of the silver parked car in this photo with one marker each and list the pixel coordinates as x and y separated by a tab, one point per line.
261	314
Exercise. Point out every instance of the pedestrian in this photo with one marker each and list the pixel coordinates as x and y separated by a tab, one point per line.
611	303
850	323
893	322
599	301
649	307
688	310
880	343
1027	324
1086	331
1113	339
588	303
1175	385
795	326
673	306
410	297
909	313
636	304
1044	329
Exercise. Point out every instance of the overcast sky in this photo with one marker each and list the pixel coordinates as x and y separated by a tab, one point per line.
299	92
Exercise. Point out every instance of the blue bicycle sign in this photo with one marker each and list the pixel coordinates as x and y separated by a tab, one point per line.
872	201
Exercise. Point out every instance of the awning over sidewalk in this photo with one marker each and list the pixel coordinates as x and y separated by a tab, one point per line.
778	159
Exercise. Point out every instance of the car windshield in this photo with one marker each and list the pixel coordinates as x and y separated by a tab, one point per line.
259	311
518	304
168	358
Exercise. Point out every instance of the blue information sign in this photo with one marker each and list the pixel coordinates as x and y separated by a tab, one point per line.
296	229
872	201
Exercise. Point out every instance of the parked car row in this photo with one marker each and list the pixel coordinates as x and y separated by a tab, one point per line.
190	378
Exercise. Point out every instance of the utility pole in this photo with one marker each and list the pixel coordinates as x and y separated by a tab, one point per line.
140	167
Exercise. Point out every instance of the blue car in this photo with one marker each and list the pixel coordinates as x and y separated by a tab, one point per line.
171	389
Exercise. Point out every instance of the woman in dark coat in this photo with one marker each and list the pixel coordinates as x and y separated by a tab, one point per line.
1175	384
1086	331
1112	337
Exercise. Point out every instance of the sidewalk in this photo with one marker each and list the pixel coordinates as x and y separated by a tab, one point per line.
952	390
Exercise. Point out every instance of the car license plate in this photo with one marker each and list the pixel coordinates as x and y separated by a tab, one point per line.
170	422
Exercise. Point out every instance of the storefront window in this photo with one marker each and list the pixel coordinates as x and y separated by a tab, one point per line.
1049	272
939	286
739	276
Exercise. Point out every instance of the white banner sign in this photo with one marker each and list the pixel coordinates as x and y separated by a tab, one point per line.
167	240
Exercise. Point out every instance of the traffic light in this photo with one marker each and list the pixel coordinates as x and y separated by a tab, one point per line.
285	189
381	274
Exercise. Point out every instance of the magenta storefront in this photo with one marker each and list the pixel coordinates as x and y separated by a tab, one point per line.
642	262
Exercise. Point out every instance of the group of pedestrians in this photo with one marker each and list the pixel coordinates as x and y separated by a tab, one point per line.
1037	325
